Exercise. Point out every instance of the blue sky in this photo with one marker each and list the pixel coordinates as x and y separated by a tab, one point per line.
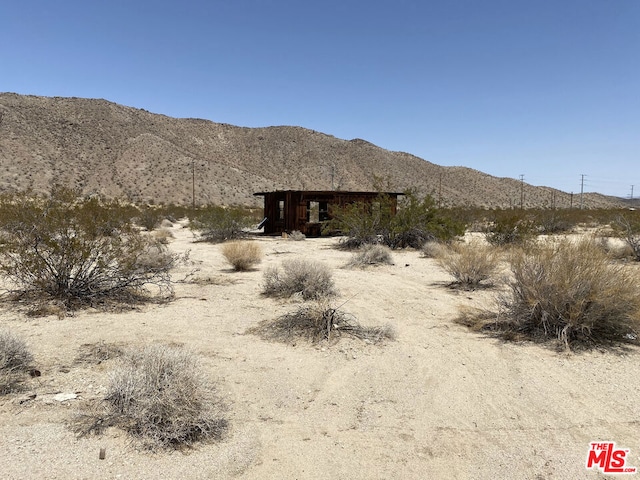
548	89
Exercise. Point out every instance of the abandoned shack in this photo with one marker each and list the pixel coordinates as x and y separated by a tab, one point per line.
307	211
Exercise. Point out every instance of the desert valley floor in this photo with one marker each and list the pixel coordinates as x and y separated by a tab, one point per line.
439	402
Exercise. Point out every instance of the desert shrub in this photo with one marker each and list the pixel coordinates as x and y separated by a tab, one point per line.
615	248
432	249
553	221
628	227
416	221
572	292
15	359
320	321
163	236
297	236
242	256
371	255
509	228
311	280
51	249
219	224
161	396
470	264
149	218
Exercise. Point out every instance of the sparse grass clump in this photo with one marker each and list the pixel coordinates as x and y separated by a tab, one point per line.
371	255
242	256
15	359
570	292
161	396
311	280
471	264
319	321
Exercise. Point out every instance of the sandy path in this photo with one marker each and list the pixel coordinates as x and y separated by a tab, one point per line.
440	402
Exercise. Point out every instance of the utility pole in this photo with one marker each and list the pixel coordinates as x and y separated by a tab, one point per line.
440	192
631	196
193	183
521	191
333	176
581	190
571	202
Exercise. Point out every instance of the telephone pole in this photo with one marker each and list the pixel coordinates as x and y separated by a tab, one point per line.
631	196
581	190
521	191
193	183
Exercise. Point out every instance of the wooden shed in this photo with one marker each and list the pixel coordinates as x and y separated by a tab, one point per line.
306	211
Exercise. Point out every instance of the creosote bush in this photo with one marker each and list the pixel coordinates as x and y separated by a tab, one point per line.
471	264
242	256
415	221
15	360
161	396
510	228
56	249
371	255
311	280
219	224
570	292
320	321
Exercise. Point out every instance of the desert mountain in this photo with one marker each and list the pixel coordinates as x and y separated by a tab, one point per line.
118	151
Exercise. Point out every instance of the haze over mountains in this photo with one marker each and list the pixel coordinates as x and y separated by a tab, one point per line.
124	152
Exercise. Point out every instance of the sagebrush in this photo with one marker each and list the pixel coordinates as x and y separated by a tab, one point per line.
311	280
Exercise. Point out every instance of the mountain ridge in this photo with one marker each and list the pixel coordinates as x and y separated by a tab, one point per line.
118	151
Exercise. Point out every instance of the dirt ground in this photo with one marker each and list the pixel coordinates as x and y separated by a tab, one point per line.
439	402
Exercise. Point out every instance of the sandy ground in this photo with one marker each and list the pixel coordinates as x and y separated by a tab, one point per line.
439	402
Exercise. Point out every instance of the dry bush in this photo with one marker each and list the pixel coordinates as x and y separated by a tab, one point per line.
242	256
15	359
96	353
371	255
163	236
297	236
432	249
319	321
629	228
615	248
161	396
571	292
470	264
311	280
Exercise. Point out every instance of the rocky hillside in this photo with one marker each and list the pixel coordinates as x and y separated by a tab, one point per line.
118	151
